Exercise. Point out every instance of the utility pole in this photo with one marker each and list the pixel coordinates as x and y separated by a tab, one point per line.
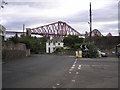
90	22
23	29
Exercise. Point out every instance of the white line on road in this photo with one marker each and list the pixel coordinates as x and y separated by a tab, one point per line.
53	87
73	80
79	67
72	67
57	84
69	72
77	72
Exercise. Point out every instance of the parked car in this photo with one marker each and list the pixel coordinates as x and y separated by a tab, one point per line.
118	54
103	54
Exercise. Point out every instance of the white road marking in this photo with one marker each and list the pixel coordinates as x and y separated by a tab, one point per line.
77	72
53	87
72	67
70	72
73	80
80	66
57	84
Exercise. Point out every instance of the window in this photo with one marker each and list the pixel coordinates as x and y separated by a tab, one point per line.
53	43
49	43
58	43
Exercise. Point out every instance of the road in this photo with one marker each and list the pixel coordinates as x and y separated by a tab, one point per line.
51	71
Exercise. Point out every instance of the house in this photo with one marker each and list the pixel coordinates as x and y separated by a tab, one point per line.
109	34
2	32
53	43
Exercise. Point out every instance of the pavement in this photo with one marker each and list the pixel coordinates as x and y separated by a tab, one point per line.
51	71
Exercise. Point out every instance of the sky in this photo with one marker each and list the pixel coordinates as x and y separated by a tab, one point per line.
35	13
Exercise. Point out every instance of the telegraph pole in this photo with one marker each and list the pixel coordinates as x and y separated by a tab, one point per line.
90	22
23	29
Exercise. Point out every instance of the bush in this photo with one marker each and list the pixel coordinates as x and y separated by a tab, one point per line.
59	49
91	52
36	45
73	41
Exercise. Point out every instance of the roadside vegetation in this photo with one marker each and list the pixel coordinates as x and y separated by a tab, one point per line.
74	43
36	45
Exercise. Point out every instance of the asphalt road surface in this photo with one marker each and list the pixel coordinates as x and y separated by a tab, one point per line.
51	71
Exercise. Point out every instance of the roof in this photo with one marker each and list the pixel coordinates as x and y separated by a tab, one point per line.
56	39
109	34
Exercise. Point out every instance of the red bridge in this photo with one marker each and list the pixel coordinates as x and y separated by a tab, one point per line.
55	29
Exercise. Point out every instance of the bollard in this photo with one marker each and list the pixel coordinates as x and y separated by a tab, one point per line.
80	54
76	53
99	54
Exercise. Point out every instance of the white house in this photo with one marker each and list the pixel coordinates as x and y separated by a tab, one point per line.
54	43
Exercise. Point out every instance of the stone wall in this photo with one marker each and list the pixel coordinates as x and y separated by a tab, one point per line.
12	51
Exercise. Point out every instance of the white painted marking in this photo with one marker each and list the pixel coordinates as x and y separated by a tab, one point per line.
70	72
74	63
57	84
73	80
77	72
53	87
80	66
72	67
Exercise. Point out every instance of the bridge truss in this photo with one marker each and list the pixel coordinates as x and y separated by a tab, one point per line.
55	29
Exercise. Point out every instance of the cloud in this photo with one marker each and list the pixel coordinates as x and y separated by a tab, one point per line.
74	12
107	14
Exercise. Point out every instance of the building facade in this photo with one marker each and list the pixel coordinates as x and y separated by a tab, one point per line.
54	43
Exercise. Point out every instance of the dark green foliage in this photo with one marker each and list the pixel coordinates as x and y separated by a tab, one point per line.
104	42
59	49
36	45
14	39
72	41
91	52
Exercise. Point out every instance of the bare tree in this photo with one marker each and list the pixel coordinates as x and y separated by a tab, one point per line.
3	3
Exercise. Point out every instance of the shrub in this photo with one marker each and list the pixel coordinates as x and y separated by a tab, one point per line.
91	52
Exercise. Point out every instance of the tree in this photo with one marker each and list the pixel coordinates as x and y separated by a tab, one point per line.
72	41
2	4
91	50
14	39
36	45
